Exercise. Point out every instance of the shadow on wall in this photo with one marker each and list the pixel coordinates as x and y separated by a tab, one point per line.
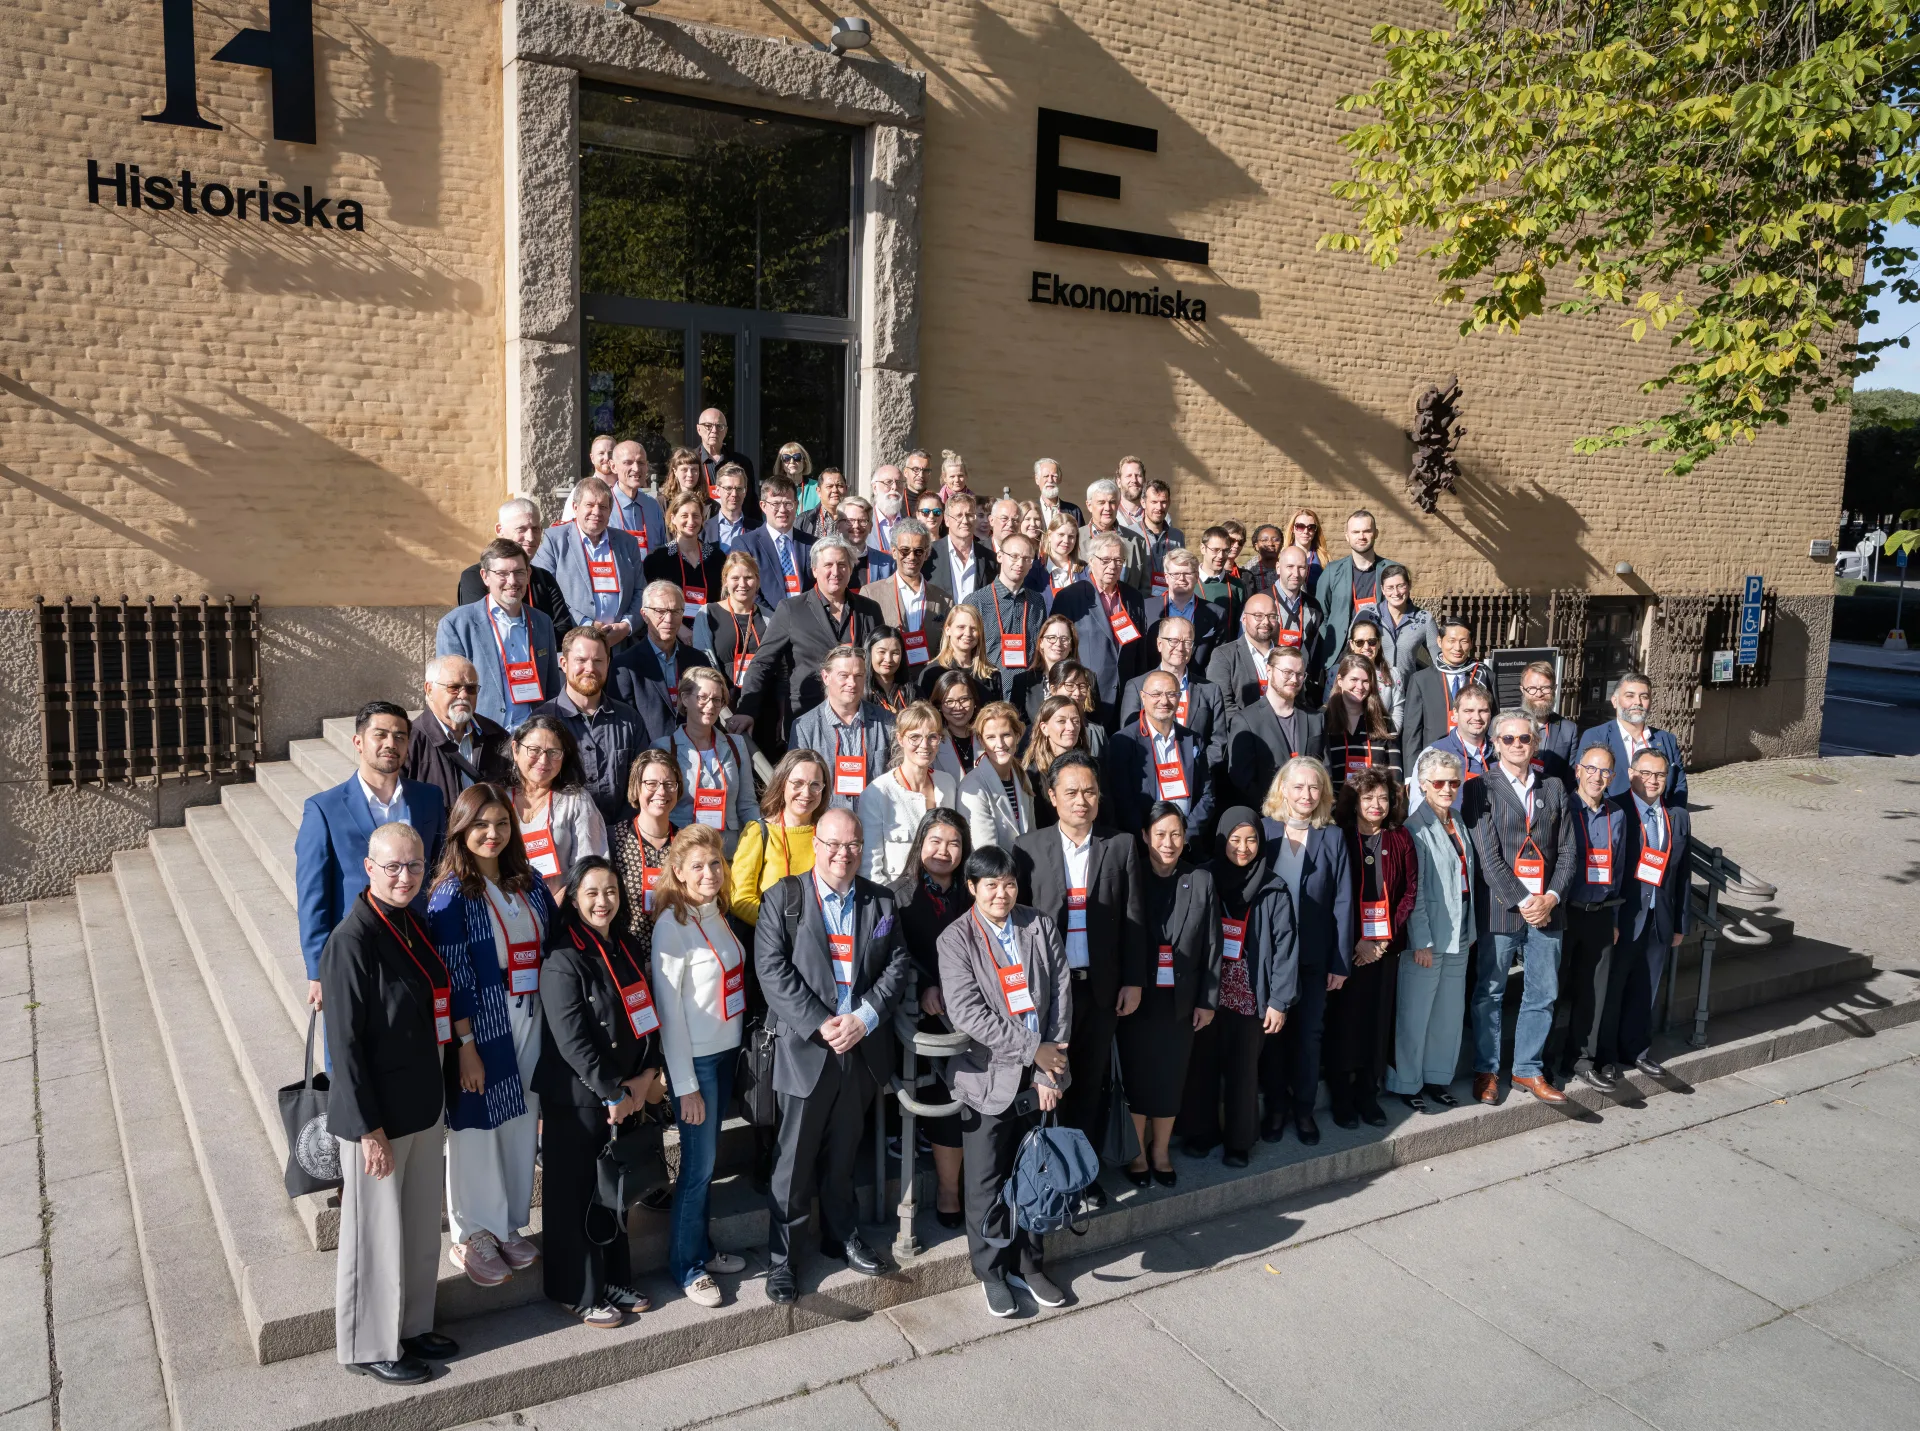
252	458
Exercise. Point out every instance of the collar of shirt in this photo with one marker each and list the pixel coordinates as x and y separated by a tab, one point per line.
599	547
1652	817
384	809
1523	788
1633	744
500	617
972	557
835	908
1185	613
910	600
1165	747
1112	601
1076	851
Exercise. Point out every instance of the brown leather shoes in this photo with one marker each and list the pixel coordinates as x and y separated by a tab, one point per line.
1541	1089
1486	1087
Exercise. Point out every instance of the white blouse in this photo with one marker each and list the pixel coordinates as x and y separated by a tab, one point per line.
890	814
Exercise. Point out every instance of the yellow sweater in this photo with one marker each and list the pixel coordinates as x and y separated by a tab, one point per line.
765	856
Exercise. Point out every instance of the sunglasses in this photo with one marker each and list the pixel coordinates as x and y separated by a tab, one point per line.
1516	740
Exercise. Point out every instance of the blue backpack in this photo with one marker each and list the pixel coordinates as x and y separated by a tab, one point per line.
1052	1168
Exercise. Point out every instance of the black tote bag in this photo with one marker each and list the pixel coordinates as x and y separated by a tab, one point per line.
313	1153
1119	1139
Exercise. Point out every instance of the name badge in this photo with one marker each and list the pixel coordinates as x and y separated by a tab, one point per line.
733	987
1180	711
1653	865
842	958
741	661
541	853
523	967
1163	970
696	597
1077	911
1124	631
1375	923
1358	763
648	879
915	643
1532	874
1285	638
1159	583
849	774
640	1010
523	683
793	584
1600	866
443	1015
1013	988
710	807
1172	780
605	578
1233	937
1013	651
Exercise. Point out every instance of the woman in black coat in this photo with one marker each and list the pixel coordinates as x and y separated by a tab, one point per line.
1155	1040
1259	972
600	1065
931	895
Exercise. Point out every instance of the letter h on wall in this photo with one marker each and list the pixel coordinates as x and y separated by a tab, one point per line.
1052	179
284	49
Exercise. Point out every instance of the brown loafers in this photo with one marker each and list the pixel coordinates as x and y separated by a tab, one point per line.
1486	1087
1541	1089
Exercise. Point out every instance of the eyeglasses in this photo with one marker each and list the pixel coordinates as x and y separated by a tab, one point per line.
661	610
913	550
459	687
1586	769
1306	526
542	752
1178	643
1536	690
1443	784
837	847
792	457
399	867
1365	643
933	511
718	427
1516	740
659	787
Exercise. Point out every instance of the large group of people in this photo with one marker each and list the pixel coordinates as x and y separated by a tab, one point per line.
1201	827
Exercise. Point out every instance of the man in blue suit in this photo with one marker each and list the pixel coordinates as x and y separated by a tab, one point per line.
779	549
1628	733
1111	621
507	641
1654	914
329	856
597	565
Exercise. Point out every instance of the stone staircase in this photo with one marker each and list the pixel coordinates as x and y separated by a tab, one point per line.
193	952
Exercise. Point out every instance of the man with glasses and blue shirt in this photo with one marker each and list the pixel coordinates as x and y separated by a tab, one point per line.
1525	841
504	638
829	954
728	527
597	565
1593	902
1654	914
780	549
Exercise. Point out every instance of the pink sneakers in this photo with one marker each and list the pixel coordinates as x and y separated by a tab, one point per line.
480	1258
520	1253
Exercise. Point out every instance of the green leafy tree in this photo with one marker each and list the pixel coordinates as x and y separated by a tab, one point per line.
1723	172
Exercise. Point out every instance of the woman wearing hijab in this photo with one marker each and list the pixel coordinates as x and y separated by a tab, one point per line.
1259	969
1371	811
1183	927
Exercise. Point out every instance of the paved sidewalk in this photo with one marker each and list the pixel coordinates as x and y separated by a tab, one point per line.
1744	1255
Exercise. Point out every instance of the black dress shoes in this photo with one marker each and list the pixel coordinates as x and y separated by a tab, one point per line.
1093	1195
1649	1067
1166	1177
404	1372
1273	1130
782	1289
1308	1130
1139	1177
1344	1116
1440	1095
1371	1113
431	1346
950	1219
856	1254
1235	1160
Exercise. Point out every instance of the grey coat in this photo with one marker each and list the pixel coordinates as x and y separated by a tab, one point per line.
987	1075
1442	921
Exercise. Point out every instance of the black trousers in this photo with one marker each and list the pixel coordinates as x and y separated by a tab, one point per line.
1359	1027
577	1271
1224	1068
819	1139
1290	1063
1627	1018
1586	957
1089	1060
988	1143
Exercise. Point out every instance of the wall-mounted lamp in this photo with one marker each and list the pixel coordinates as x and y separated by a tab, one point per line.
850	32
1623	568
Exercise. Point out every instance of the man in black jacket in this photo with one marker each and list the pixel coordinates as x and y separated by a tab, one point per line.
1426	711
519	522
832	963
1086	879
645	675
1271	731
451	745
803	630
389	1023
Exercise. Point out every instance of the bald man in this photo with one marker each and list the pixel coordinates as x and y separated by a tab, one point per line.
452	746
716	452
519	522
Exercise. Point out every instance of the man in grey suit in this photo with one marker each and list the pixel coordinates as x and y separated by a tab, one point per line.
852	734
508	642
597	565
1529	858
1103	515
1007	986
909	602
829	953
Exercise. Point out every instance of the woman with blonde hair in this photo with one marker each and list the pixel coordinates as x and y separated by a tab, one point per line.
953	474
688	560
892	807
997	797
1304	531
716	767
1057	565
780	843
1032	523
793	463
1309	857
699	980
732	626
963	647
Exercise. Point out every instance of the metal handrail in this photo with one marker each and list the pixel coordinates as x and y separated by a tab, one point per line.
915	1044
1709	863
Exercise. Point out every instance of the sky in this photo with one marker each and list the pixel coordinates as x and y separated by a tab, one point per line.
1899	367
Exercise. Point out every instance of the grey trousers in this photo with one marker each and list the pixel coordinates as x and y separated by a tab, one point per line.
389	1259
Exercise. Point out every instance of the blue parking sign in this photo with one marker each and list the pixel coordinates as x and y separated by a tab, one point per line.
1749	650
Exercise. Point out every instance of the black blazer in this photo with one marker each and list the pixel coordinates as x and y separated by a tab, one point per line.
794	964
797	641
922	925
939	567
388	1066
666	564
1255	747
1206	711
1135	784
1209	626
544	597
1232	668
433	758
1193	929
1423	708
1271	950
635	678
1669	911
1497	821
1117	952
1323	916
1112	664
589	1048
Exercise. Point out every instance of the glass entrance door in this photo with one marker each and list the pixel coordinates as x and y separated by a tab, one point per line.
717	270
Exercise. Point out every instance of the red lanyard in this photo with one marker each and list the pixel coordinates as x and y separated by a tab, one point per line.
999	626
740	635
446	977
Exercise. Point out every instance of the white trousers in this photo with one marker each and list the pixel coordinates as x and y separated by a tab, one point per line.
490	1170
389	1258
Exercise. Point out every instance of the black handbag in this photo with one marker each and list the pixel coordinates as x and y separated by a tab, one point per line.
633	1161
1119	1139
313	1153
753	1076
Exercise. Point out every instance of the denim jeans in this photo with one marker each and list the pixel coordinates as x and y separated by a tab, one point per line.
687	1247
1540	972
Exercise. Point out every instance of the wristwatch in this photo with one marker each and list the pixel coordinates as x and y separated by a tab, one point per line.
465	1039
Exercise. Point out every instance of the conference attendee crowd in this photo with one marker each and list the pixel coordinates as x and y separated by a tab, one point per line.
722	779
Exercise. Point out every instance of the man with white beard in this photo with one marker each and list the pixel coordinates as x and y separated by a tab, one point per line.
450	746
1046	476
889	506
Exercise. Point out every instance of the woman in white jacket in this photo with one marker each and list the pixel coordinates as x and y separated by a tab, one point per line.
995	797
700	989
892	808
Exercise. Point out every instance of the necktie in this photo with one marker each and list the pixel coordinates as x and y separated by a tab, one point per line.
786	556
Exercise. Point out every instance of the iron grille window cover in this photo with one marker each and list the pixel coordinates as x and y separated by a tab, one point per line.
150	690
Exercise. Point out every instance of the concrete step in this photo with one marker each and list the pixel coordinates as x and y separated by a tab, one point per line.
289	786
321	763
269	833
337	731
269	1054
268	1253
1764	976
1777	926
257	903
